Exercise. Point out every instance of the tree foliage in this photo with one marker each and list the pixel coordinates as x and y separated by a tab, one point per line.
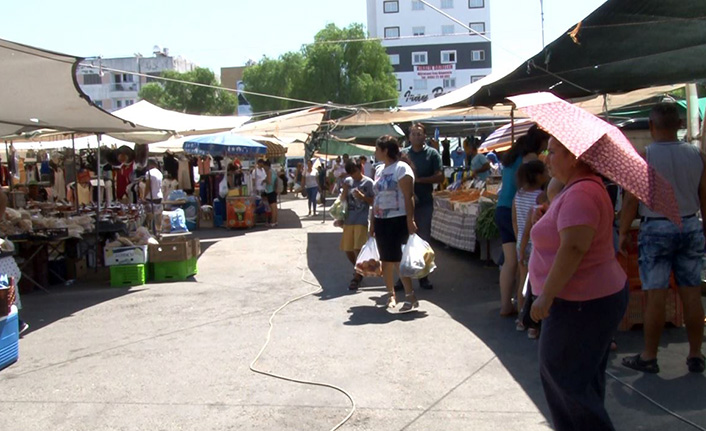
350	72
190	99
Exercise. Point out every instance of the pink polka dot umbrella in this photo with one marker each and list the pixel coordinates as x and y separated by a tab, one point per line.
603	147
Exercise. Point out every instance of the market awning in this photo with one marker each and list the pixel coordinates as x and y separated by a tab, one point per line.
40	91
372	117
622	46
145	113
338	148
297	126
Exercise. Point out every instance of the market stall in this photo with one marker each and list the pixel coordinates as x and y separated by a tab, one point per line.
241	201
455	216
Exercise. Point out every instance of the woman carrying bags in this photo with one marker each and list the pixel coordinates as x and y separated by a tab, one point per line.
393	216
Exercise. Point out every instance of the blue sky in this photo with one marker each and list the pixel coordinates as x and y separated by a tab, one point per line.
220	33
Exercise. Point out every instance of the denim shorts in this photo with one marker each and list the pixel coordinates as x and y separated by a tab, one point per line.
664	248
503	219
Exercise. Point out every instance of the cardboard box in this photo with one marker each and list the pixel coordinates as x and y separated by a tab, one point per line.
128	255
76	268
172	251
195	247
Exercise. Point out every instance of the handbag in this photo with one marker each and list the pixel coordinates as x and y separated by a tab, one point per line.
525	317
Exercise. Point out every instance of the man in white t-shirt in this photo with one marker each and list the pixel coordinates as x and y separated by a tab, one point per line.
260	176
153	194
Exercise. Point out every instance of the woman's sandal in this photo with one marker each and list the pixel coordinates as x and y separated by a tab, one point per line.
637	363
409	305
391	302
355	283
696	364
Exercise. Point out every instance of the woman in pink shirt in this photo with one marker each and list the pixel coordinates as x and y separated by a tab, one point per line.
581	293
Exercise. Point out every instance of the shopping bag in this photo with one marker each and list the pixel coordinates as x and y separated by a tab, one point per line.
339	209
368	263
417	258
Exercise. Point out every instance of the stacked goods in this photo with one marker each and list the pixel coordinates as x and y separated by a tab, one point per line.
174	260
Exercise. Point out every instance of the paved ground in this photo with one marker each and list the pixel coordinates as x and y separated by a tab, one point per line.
176	356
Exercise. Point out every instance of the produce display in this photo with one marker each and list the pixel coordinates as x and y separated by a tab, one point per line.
23	221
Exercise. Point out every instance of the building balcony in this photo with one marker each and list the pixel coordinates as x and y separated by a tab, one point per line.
123	86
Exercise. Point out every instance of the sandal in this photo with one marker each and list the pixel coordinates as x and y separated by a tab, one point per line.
696	364
637	363
391	302
533	333
409	304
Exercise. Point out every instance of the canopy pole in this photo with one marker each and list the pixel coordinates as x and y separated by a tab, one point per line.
98	207
73	150
512	125
692	114
10	174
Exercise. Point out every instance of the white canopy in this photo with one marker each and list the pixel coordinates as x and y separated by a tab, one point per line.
39	91
297	126
145	113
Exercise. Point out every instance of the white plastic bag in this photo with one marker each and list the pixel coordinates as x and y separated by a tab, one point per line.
223	187
417	258
368	263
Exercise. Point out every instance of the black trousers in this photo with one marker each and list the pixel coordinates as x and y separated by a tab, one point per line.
573	354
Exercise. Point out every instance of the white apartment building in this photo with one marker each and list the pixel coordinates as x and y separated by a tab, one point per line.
114	90
431	54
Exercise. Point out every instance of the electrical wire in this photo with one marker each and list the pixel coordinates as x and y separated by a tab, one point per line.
655	403
269	335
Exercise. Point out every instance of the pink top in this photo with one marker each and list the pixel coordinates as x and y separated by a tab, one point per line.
584	202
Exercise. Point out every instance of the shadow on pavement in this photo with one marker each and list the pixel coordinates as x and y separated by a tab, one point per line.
467	289
42	309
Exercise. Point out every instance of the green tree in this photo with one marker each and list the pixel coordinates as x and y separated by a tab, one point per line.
191	99
341	66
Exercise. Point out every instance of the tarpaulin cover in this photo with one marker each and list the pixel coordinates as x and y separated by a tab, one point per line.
39	91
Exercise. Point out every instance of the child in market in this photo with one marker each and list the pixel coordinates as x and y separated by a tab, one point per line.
359	194
531	178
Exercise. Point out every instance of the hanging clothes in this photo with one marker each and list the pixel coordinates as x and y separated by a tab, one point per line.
204	165
184	176
59	186
123	179
171	165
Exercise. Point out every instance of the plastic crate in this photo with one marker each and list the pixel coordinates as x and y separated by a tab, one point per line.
174	271
634	315
9	339
127	275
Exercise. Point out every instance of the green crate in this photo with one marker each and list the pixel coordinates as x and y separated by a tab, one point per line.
127	275
173	271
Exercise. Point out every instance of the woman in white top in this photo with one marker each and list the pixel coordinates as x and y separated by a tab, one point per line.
393	215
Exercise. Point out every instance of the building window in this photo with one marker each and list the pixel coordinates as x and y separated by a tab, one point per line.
478	27
394	59
91	79
418	31
399	85
476	4
417	5
447	29
448	57
119	103
391	6
420	84
476	78
449	83
392	32
447	4
129	102
478	55
419	58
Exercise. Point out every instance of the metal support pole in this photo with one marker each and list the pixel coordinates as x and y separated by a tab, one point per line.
692	114
7	154
73	149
